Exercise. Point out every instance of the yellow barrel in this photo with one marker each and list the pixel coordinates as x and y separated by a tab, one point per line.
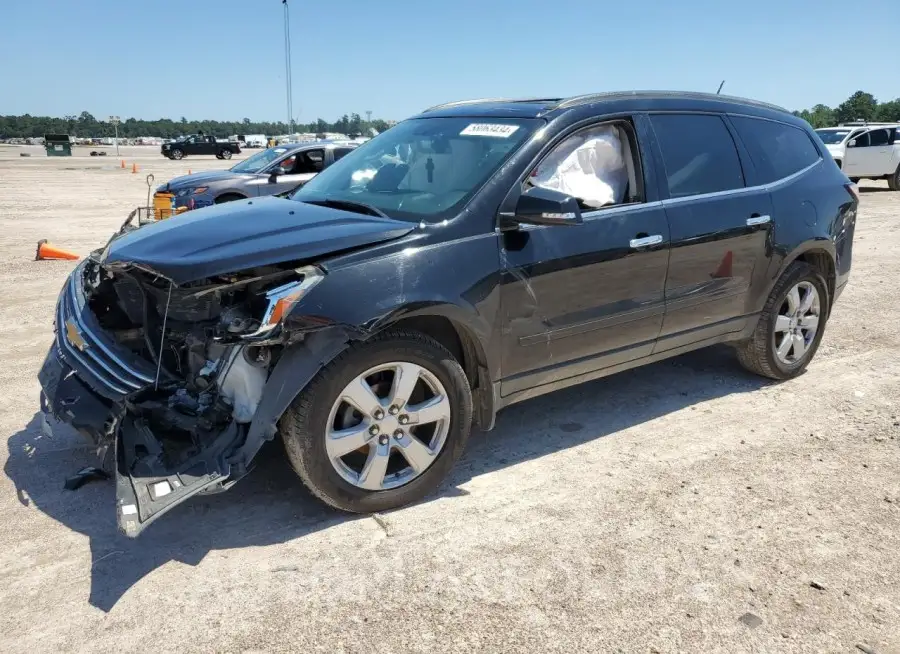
162	205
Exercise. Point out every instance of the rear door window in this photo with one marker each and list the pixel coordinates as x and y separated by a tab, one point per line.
698	153
879	137
776	149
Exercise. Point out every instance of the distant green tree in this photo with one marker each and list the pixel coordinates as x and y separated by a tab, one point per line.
859	106
888	112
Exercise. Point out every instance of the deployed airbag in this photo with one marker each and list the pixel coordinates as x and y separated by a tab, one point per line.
589	166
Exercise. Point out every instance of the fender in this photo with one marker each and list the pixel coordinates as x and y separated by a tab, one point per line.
296	368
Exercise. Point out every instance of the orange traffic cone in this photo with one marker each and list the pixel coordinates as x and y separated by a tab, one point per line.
134	168
47	251
123	164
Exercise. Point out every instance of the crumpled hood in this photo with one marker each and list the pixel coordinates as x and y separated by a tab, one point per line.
244	234
198	179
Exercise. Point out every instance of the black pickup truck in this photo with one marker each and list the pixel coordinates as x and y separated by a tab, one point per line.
200	144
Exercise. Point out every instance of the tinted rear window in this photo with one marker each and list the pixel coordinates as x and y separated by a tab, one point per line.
777	150
699	154
879	137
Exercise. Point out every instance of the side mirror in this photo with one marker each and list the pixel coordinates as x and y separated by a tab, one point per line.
851	143
543	206
275	173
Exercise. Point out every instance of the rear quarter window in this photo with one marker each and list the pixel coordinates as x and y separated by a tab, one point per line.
698	153
777	150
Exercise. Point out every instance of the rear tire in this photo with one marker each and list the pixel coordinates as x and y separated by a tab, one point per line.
225	154
310	425
762	353
894	180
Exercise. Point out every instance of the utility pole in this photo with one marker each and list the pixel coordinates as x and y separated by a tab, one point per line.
115	121
287	65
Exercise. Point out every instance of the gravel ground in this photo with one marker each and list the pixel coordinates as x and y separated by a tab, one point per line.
683	507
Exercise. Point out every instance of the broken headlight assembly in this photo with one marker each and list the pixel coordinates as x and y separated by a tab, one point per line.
280	301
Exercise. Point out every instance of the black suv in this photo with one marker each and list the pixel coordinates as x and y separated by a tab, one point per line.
473	256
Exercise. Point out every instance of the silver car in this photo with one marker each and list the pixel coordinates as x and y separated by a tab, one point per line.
273	171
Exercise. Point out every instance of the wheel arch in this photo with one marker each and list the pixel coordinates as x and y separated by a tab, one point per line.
820	255
464	333
465	346
235	195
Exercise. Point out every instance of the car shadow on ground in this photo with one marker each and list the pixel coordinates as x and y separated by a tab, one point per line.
874	189
271	506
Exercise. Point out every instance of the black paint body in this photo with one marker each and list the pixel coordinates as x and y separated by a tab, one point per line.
532	308
548	306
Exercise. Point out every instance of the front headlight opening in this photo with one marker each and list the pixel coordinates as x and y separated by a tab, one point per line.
191	191
282	299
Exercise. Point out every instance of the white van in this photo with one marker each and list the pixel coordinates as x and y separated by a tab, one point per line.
866	152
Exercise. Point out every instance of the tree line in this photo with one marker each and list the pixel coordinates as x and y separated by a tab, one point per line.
859	106
86	125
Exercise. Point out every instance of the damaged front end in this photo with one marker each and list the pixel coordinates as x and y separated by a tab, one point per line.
171	377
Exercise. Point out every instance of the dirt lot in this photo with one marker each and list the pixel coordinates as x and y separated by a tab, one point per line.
647	512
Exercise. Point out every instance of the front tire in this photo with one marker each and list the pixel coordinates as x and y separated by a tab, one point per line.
177	154
381	425
790	326
229	197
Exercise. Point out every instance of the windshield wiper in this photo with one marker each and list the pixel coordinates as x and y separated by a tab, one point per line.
350	205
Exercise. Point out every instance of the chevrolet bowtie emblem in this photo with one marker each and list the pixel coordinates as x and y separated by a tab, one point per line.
74	336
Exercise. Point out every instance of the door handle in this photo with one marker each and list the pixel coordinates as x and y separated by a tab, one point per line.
656	239
758	220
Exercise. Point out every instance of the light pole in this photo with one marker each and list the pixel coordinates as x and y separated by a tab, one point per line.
115	121
287	65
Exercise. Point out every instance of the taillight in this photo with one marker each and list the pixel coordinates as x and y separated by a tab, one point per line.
853	190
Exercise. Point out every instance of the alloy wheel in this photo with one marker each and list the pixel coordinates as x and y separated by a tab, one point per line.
797	323
387	426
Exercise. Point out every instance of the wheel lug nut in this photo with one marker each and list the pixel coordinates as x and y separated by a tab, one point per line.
398	434
374	430
383	440
378	415
404	419
393	410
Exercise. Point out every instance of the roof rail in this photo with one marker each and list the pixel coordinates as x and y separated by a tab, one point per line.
609	95
459	103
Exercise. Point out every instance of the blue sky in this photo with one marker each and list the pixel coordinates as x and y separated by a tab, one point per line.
224	59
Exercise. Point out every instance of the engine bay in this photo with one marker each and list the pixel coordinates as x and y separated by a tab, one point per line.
208	375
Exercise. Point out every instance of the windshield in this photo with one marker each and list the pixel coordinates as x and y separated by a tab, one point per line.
423	168
259	160
832	136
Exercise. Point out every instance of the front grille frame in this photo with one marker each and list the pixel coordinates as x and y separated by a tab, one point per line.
104	365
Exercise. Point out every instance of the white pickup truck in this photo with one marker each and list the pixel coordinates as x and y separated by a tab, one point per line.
866	151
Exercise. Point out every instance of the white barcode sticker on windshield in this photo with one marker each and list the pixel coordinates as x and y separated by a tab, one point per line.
489	129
